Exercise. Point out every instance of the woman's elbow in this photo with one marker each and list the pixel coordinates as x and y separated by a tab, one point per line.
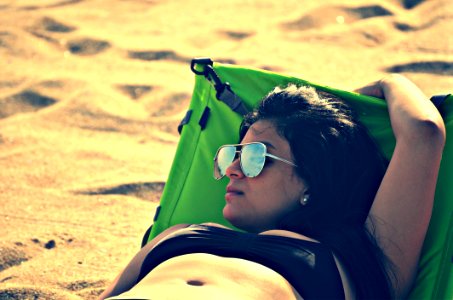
432	130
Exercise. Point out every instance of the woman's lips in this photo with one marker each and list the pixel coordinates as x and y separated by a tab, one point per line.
232	192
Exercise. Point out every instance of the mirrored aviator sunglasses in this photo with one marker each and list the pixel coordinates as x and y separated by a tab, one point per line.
252	157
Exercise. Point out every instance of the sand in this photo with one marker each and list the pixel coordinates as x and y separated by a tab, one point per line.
91	93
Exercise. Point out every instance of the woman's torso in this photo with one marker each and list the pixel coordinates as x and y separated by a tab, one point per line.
204	275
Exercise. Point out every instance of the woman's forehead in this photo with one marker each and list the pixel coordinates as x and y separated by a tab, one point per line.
262	128
265	132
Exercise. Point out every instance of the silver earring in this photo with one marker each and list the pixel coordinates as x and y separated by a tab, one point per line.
304	200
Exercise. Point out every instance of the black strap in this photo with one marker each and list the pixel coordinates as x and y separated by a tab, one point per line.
437	100
232	100
185	120
224	92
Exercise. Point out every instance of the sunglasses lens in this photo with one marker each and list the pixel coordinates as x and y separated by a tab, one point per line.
253	157
224	158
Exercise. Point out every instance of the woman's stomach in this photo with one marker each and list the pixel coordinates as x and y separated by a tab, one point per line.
207	276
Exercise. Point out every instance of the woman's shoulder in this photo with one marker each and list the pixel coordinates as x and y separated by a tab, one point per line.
345	278
172	229
274	232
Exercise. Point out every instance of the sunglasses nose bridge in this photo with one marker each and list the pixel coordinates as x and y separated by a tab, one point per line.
237	160
235	168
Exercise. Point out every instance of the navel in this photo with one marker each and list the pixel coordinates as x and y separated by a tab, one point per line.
195	282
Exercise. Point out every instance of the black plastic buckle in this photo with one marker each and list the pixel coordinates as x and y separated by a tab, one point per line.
208	72
200	61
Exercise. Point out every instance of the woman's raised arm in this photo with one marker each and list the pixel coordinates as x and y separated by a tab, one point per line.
402	208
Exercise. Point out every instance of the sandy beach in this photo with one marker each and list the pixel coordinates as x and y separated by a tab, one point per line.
91	93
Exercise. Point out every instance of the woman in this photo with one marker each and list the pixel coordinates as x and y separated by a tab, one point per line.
326	216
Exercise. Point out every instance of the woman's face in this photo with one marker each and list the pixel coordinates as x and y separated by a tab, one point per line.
259	203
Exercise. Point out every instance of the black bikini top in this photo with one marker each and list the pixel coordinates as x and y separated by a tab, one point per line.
308	266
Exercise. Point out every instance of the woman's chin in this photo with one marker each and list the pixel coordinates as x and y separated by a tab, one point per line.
231	215
227	214
236	218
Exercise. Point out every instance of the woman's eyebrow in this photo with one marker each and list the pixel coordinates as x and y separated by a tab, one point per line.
268	144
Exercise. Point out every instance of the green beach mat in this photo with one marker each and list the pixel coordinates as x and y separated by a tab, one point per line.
192	195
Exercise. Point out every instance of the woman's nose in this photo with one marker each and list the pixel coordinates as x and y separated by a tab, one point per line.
234	170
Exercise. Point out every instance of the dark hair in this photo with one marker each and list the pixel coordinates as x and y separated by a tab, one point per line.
343	169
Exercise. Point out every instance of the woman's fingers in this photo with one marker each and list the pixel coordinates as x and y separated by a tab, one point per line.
372	89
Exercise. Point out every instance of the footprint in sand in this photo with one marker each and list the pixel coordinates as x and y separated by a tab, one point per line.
236	35
52	25
150	191
19	292
87	289
135	91
25	293
330	15
405	27
14	254
26	101
46	26
87	46
431	67
158	55
10	257
410	3
83	284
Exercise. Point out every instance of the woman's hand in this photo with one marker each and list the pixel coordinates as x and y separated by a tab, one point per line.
402	207
411	113
373	89
409	108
